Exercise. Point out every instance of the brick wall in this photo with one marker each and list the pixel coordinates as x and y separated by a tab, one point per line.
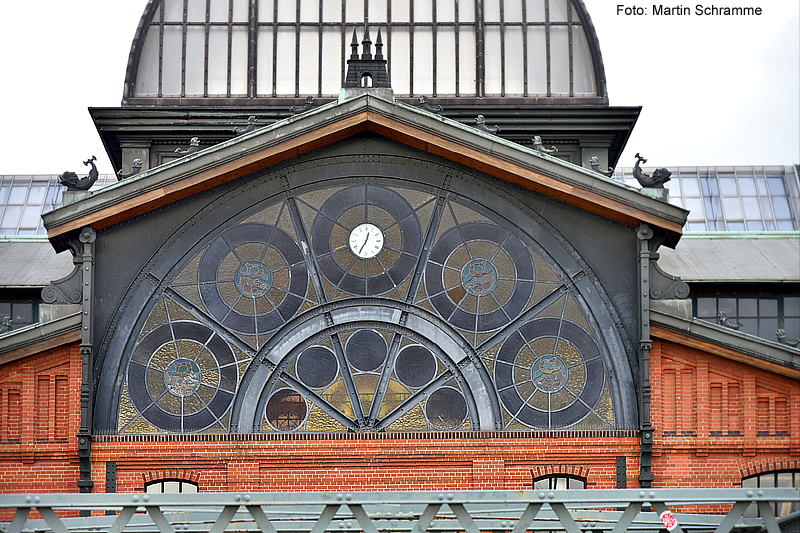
385	462
716	418
39	417
716	421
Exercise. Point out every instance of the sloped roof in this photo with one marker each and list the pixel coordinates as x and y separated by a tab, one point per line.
31	264
738	257
367	111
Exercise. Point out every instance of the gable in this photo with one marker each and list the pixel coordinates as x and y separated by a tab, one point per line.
424	131
169	278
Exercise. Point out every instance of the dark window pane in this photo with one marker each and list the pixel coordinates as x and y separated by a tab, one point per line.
749	325
727	306
767	328
792	328
23	313
707	307
768	307
748	307
791	305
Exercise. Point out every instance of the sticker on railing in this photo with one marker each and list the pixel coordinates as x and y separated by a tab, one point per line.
669	520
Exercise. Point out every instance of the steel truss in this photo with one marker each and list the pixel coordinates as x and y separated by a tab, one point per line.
573	511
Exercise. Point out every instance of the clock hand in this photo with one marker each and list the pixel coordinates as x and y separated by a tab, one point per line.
363	245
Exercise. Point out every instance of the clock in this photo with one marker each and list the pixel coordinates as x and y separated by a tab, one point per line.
366	240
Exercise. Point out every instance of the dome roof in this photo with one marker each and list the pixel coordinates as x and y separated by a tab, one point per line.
187	51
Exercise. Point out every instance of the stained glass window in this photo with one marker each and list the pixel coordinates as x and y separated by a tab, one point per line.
407	311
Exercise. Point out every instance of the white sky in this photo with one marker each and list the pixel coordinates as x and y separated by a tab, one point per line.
714	90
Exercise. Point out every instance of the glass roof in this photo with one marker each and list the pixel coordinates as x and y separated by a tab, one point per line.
189	49
733	199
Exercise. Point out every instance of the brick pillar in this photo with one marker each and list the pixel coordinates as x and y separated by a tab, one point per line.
702	399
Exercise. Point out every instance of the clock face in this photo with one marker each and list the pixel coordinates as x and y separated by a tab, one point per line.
366	240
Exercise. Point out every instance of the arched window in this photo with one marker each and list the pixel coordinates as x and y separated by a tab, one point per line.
785	478
559	482
171	486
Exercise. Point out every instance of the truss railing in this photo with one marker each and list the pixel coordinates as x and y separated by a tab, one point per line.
573	511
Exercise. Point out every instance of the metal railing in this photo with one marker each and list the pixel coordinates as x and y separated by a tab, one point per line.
573	511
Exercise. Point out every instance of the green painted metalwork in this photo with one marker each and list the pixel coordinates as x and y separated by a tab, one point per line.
575	511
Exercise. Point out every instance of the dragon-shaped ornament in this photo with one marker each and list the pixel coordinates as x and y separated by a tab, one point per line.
656	181
73	183
136	167
194	146
594	162
480	123
538	146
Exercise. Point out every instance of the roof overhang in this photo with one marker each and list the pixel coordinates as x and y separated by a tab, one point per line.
336	121
726	343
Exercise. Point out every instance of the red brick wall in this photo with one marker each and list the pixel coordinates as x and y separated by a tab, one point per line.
39	417
716	421
716	418
353	463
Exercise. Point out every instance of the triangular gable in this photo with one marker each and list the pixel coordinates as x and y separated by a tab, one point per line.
411	126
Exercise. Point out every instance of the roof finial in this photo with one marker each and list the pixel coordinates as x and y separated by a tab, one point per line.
379	46
354	45
367	44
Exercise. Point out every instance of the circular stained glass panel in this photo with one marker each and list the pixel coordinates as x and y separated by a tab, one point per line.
253	279
479	277
286	410
446	409
415	366
549	373
317	367
182	377
366	350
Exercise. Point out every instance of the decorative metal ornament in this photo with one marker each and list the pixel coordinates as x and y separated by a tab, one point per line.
656	181
594	162
424	104
136	168
251	126
73	183
480	123
725	321
781	335
307	106
194	146
539	146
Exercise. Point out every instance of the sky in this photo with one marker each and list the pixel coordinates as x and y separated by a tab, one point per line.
714	90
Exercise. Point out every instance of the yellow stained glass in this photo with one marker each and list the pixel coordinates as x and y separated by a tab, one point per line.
230	294
163	356
380	217
192	404
353	217
307	215
447	222
465	214
191	293
414	420
366	385
543	346
577	379
317	198
503	291
395	395
141	426
319	420
250	251
482	249
425	213
285	223
543	271
574	313
336	395
605	407
176	312
554	309
568	352
414	198
127	411
189	272
211	377
245	306
265	216
525	388
560	399
170	403
228	268
158	316
540	401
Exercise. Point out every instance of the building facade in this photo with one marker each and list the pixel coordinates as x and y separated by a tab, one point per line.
369	290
